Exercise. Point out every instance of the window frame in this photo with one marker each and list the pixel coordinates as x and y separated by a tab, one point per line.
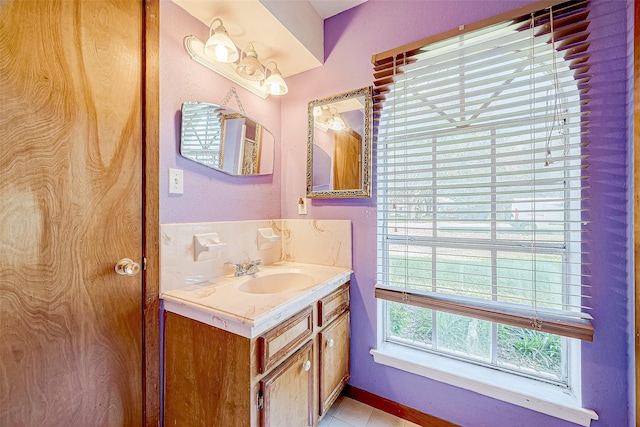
560	402
568	248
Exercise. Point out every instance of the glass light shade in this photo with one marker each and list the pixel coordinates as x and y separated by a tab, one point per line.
249	67
275	84
324	116
337	122
219	46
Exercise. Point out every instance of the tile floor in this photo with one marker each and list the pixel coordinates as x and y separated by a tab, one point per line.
347	412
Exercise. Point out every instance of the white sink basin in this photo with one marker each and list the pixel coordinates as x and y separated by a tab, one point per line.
276	283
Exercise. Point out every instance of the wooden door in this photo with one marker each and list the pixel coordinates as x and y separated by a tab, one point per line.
334	361
347	160
71	206
288	391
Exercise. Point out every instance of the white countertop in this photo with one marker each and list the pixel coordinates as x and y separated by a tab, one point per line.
219	303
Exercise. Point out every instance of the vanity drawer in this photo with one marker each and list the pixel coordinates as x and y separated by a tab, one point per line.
333	305
276	343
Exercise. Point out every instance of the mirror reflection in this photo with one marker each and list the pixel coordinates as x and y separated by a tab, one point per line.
339	145
225	140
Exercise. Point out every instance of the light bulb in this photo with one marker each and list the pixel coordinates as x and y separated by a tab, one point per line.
336	122
219	46
222	53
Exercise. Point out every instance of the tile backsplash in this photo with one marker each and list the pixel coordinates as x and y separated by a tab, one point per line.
324	242
317	242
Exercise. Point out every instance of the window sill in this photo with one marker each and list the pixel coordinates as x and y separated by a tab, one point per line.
499	385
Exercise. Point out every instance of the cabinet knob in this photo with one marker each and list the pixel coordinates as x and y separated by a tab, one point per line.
331	343
306	365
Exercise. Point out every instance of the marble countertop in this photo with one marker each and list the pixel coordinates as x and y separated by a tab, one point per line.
220	303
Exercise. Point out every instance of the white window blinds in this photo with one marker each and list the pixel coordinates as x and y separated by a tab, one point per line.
481	172
202	133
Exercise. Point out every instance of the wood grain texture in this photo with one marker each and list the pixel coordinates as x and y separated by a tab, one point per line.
334	361
211	376
288	392
333	305
207	375
277	342
151	212
70	163
347	160
395	408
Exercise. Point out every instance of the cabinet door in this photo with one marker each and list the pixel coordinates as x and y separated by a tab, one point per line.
288	392
334	361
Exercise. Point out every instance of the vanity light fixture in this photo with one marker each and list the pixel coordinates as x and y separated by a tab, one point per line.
219	46
322	114
247	72
336	122
249	67
275	83
326	117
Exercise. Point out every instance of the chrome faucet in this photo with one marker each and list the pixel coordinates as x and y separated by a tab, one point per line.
244	268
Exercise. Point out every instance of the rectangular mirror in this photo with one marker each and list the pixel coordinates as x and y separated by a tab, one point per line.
226	140
339	145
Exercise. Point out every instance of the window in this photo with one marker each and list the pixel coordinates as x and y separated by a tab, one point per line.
481	183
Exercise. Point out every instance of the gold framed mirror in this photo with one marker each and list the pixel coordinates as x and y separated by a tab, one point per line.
339	133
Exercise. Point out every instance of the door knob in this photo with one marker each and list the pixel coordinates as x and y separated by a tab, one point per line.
306	365
331	342
127	267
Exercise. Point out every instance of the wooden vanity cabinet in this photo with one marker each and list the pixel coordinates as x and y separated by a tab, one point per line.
333	361
288	376
207	375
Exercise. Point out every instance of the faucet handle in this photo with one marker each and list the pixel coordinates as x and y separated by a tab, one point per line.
252	266
239	266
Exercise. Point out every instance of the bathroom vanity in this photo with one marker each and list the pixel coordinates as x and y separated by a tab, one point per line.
252	351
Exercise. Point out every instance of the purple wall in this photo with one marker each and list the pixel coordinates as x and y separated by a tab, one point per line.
351	38
208	195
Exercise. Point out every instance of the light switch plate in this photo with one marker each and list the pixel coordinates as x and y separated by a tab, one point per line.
176	184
